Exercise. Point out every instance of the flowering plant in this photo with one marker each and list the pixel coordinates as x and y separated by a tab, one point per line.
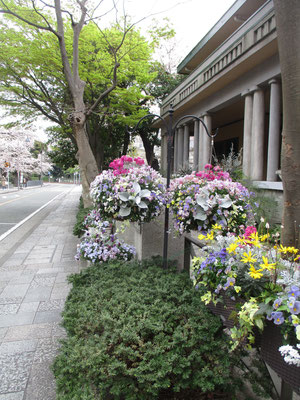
264	279
99	244
123	164
201	200
136	193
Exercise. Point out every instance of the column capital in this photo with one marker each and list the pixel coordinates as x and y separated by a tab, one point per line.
246	92
255	89
273	80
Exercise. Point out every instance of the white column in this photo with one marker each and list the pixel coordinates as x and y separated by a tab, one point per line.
258	131
274	130
180	148
248	113
175	150
207	140
201	141
196	145
186	146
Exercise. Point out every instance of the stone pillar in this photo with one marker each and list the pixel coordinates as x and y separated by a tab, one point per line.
175	150
257	139
180	148
206	140
274	130
248	113
186	146
196	145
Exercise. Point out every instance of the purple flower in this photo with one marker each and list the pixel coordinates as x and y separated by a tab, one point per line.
296	308
278	317
294	292
277	303
230	282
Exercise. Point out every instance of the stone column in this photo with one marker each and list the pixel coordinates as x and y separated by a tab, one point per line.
274	130
196	145
175	149
206	140
257	139
248	113
186	146
180	148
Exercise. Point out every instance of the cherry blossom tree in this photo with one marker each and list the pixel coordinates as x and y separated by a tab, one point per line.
15	155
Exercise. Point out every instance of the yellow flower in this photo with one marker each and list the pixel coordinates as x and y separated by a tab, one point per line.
232	247
248	258
292	250
217	226
210	236
201	237
255	274
266	264
262	238
283	249
242	240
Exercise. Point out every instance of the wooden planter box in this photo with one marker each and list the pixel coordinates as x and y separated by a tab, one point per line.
270	342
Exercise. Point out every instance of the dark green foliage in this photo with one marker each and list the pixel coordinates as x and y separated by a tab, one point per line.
140	333
79	226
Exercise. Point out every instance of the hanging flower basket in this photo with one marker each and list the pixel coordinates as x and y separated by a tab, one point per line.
271	340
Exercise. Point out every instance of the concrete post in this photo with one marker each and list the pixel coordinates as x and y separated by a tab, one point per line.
196	145
248	113
258	131
186	146
274	130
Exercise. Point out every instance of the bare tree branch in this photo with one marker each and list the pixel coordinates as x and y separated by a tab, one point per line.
6	10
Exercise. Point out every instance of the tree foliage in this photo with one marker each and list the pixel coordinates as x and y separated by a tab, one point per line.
74	72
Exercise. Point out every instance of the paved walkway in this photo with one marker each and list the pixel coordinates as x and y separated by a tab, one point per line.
33	289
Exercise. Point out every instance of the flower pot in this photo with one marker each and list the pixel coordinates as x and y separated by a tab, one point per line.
148	240
225	310
270	342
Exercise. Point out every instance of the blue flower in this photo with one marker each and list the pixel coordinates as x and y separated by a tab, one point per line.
277	303
278	317
294	292
296	308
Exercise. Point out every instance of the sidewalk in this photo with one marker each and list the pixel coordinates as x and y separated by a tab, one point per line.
33	289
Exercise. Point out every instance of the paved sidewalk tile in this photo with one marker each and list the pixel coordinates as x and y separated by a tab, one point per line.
33	288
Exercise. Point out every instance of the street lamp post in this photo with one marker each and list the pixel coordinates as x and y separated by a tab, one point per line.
170	135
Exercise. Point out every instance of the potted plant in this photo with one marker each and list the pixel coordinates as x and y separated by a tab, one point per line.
203	199
262	282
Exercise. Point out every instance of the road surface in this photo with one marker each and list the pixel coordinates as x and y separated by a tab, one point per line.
17	206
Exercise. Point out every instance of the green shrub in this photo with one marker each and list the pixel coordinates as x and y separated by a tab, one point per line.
140	333
82	213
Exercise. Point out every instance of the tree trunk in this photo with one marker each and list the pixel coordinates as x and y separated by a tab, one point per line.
85	156
287	15
149	151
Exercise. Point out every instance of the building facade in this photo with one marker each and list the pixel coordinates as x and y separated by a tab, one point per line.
233	84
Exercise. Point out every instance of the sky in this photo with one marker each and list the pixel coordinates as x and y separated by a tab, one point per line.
191	19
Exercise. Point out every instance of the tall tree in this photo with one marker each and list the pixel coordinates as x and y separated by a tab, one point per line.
57	21
287	15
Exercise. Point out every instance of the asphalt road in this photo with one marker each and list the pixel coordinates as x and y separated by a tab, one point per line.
16	206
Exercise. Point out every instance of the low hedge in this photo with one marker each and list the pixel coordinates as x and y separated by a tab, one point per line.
140	333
